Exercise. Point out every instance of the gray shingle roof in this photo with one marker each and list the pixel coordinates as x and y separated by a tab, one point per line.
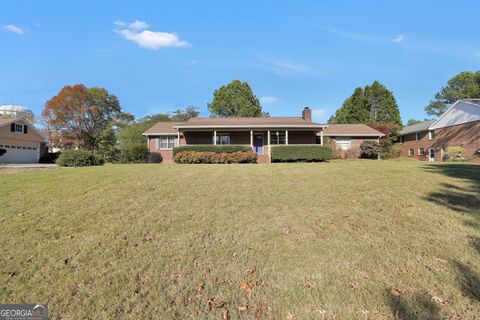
419	127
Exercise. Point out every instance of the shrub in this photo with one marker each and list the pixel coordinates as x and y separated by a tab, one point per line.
390	152
138	153
370	150
455	153
300	153
49	157
78	158
215	157
226	148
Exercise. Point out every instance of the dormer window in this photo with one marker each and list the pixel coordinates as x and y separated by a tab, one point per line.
417	136
431	134
18	127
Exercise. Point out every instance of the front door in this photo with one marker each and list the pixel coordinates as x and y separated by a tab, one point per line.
258	143
431	154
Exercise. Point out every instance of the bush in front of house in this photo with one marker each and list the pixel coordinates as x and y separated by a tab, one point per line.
136	153
225	148
49	157
208	157
370	150
300	153
79	158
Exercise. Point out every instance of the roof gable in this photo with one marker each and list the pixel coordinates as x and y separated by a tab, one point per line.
462	111
8	120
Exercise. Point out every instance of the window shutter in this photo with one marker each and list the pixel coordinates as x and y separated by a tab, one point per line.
12	127
25	129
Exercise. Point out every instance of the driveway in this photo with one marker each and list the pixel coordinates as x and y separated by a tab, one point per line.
26	165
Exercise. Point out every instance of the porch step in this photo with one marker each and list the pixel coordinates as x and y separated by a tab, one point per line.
263	158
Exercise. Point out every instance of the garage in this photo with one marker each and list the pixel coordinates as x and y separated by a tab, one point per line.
20	141
19	153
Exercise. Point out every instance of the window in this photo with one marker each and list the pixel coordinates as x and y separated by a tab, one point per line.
277	137
410	152
343	143
18	127
402	139
223	138
421	151
417	136
167	142
431	134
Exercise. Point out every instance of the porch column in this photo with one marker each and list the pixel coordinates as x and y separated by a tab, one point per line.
251	139
286	137
321	137
215	137
178	138
269	147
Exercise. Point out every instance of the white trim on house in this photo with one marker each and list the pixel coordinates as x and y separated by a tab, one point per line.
351	135
306	126
443	121
160	134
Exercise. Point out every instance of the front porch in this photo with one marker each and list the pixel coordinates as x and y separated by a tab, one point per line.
261	141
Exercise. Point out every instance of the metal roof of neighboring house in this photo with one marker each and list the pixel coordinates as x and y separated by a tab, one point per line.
418	127
351	130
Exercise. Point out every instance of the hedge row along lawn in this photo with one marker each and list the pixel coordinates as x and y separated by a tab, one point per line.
205	157
213	148
338	240
300	153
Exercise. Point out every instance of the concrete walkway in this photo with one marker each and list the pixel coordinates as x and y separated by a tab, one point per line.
27	165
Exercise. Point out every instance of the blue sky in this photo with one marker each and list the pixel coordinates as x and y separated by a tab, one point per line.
157	56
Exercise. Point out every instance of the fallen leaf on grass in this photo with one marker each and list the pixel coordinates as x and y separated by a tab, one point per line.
178	275
353	285
245	286
212	304
243	308
396	292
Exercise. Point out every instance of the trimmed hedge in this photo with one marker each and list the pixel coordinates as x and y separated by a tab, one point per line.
207	157
300	153
79	158
225	148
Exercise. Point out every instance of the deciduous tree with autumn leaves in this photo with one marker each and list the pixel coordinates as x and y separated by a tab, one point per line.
84	118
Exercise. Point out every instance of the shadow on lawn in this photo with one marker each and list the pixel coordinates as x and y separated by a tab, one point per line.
420	307
465	200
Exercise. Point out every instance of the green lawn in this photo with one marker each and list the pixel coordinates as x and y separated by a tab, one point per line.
339	240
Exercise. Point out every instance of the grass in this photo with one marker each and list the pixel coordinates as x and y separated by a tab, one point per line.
340	240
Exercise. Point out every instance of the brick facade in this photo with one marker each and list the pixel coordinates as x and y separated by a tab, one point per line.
466	135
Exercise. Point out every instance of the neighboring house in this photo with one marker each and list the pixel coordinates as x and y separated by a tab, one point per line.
351	136
20	142
260	133
459	126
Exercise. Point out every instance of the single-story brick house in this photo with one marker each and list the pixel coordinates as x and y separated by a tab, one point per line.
20	142
459	126
260	133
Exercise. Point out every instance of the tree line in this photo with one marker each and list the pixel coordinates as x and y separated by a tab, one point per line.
92	118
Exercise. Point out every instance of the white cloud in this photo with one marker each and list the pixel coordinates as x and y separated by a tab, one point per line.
153	40
119	23
399	38
138	25
282	68
269	100
14	29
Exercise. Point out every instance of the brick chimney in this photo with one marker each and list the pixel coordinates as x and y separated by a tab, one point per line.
307	114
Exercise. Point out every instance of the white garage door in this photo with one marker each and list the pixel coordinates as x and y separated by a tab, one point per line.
20	153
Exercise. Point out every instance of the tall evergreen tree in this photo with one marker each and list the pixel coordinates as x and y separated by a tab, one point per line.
465	85
372	104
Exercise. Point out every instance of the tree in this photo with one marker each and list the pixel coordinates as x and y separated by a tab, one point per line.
235	99
372	104
411	122
130	136
81	117
465	85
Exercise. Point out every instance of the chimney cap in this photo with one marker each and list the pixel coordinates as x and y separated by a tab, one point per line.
306	108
